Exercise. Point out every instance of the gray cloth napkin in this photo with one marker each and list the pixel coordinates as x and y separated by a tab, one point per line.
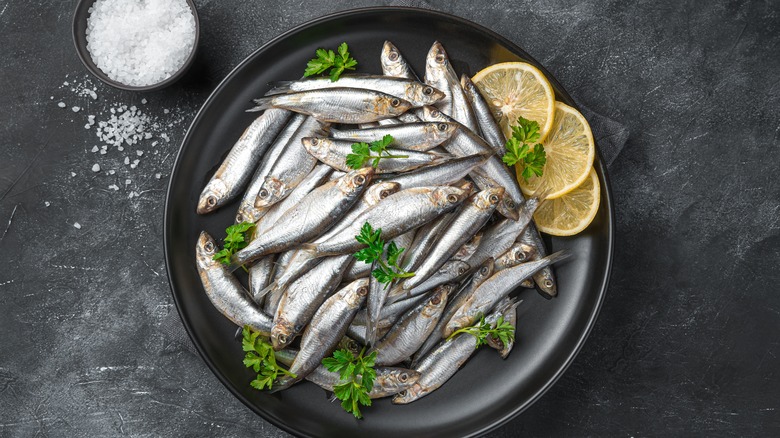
610	136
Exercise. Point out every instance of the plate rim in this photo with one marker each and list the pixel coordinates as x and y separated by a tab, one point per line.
601	168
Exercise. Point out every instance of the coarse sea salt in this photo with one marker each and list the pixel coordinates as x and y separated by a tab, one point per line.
140	42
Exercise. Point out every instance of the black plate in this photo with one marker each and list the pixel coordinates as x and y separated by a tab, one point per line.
488	391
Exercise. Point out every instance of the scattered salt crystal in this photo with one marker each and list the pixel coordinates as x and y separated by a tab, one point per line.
73	174
113	187
127	181
164	136
154	143
95	149
103	152
77	225
96	167
61	104
166	111
52	98
46	203
111	172
127	160
120	148
87	126
143	101
157	175
65	83
139	153
76	109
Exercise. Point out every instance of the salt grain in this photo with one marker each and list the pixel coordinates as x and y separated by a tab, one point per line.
95	149
96	167
61	104
77	225
143	101
76	109
46	203
138	42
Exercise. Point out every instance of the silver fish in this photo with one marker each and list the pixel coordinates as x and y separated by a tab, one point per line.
272	299
237	167
450	272
246	210
315	213
395	215
545	278
491	132
334	153
376	299
492	173
483	273
494	289
469	220
508	310
314	179
446	173
303	297
416	93
224	290
260	276
416	136
437	71
424	239
303	260
356	270
394	64
412	329
339	105
327	327
389	380
518	253
291	167
389	313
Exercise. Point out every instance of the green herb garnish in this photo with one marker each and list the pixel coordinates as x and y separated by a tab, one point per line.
519	150
503	331
387	271
361	153
357	373
238	237
327	59
260	357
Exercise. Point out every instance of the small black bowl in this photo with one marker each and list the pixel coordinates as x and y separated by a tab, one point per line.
80	40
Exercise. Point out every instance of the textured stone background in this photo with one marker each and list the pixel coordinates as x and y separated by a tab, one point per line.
688	338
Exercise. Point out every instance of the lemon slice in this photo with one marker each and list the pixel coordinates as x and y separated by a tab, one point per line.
513	89
570	152
572	212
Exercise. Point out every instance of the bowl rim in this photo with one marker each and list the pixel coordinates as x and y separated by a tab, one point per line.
86	57
600	165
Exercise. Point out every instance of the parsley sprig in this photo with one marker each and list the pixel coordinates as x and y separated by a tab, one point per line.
260	357
519	150
361	152
387	271
238	237
327	59
357	373
502	331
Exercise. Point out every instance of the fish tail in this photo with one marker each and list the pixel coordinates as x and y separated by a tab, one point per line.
264	291
279	87
558	256
262	103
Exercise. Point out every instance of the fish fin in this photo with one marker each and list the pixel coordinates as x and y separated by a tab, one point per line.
541	193
323	129
261	103
264	291
279	87
331	396
558	256
283	383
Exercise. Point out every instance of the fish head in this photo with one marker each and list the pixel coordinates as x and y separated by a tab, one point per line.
282	333
488	199
437	301
469	248
213	196
392	62
449	197
423	93
357	180
441	131
386	104
436	62
409	395
247	213
393	380
357	291
547	283
317	146
484	271
456	268
271	192
519	253
432	114
379	191
350	345
508	207
205	250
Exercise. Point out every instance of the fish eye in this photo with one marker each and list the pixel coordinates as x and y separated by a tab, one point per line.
211	200
510	203
436	299
443	126
384	194
483	271
359	179
402	393
282	338
440	58
428	91
209	247
493	199
362	291
393	55
239	218
548	283
403	377
461	270
395	102
520	255
263	193
452	198
435	113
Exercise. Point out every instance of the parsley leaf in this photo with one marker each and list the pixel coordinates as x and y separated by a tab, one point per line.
502	330
357	375
328	59
237	238
361	152
519	149
385	272
260	357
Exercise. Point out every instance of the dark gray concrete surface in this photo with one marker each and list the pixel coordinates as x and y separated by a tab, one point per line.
688	339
